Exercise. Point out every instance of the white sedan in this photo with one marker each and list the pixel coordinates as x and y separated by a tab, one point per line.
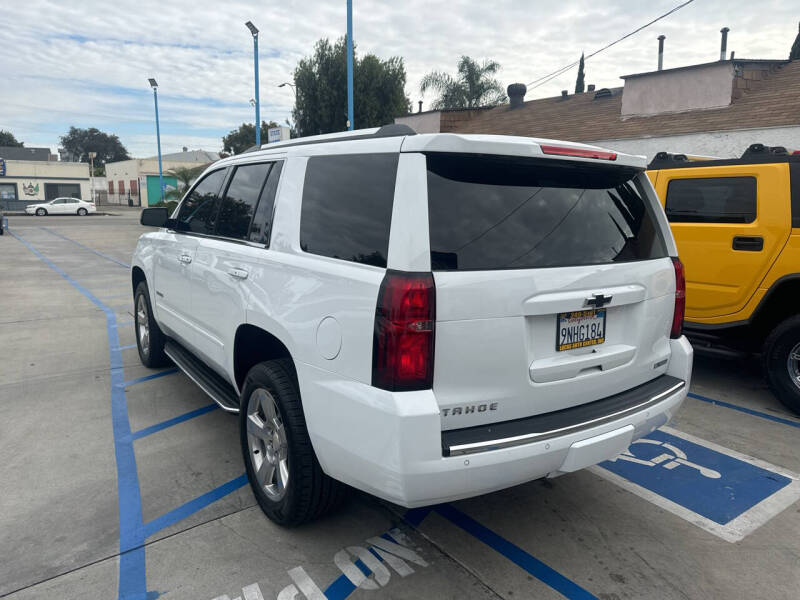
62	206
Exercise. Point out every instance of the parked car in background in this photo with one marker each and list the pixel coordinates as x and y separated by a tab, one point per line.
62	206
737	226
422	317
2	222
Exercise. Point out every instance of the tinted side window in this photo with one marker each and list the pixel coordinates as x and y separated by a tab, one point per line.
198	211
712	200
240	200
262	222
347	207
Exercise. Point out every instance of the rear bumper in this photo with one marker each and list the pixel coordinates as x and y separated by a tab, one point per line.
391	444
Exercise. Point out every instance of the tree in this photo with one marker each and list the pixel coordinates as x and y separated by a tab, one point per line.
472	87
185	177
321	84
7	139
239	140
579	85
794	53
79	142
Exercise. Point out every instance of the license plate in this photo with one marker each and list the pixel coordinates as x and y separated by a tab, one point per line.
580	329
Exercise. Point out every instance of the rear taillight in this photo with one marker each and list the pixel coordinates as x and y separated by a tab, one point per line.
680	299
402	351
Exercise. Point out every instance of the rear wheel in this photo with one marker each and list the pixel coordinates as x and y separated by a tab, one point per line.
781	362
149	337
283	470
82	212
40	212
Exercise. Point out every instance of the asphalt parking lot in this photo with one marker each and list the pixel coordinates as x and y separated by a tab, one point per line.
123	482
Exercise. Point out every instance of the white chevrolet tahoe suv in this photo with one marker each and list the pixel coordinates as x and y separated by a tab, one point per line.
422	317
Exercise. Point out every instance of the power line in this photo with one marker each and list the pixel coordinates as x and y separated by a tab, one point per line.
546	78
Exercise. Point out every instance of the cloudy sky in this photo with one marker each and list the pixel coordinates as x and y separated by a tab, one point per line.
86	63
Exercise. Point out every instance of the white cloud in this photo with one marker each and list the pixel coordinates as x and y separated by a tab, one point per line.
87	63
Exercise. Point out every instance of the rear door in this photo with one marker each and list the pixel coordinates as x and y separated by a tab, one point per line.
730	224
553	282
225	261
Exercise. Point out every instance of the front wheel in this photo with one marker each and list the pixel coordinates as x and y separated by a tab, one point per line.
283	470
40	212
149	337
82	212
781	362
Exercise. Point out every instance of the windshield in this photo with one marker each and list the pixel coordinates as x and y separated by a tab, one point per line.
492	212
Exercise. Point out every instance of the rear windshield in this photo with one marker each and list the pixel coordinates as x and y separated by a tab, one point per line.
490	212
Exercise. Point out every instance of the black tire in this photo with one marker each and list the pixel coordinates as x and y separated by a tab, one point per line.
41	212
153	355
778	368
309	493
82	212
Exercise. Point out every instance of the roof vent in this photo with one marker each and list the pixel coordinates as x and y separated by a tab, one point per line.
590	88
516	94
564	94
602	93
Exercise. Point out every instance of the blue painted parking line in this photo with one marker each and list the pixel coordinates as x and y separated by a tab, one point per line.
92	250
191	507
174	421
749	411
724	492
149	377
527	562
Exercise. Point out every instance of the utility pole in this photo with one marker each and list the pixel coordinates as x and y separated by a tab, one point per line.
350	64
91	174
254	30
154	85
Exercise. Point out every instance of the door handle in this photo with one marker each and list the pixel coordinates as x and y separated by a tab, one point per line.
185	259
238	273
754	243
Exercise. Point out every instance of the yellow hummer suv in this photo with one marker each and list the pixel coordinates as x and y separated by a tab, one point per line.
737	226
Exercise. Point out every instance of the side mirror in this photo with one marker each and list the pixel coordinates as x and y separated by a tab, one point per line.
154	217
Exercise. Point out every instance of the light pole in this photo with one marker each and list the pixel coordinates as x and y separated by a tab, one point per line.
350	64
291	85
154	85
91	174
254	30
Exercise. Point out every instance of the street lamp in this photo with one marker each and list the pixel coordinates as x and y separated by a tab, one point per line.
91	174
350	64
254	30
154	85
291	85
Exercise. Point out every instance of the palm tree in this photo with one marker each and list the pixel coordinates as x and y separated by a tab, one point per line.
185	177
473	86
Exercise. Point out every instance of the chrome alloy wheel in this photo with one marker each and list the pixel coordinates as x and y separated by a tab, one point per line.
143	324
793	365
266	441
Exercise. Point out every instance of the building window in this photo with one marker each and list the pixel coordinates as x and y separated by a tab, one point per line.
134	187
121	187
111	187
61	190
712	200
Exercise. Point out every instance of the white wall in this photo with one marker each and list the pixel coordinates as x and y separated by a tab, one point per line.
724	144
706	86
427	122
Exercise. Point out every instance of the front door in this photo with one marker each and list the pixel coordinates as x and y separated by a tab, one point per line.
730	224
174	265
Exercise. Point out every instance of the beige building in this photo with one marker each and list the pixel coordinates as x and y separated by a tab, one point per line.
136	181
24	182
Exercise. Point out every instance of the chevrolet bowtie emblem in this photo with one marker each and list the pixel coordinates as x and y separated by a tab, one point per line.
597	300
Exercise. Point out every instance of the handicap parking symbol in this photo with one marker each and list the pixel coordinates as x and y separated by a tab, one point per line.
725	492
